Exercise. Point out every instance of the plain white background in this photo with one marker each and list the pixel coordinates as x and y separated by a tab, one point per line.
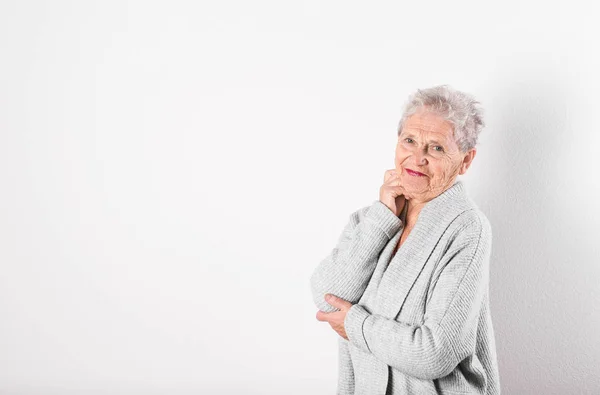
172	172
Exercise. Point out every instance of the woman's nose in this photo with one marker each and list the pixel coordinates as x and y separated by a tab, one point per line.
420	158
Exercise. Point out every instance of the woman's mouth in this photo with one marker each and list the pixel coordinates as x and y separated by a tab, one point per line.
415	173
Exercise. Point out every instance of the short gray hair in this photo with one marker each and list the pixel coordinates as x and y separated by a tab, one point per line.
458	108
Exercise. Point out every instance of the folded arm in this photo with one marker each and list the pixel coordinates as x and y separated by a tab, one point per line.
346	271
448	333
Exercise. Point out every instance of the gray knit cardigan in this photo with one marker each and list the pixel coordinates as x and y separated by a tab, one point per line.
420	321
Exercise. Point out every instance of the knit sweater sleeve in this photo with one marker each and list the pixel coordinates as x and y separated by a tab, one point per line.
345	272
346	384
448	332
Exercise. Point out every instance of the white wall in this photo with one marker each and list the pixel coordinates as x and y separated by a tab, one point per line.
172	172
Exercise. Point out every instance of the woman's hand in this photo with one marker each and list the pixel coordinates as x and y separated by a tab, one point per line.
336	319
392	193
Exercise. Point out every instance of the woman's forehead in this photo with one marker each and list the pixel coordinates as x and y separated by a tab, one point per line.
429	123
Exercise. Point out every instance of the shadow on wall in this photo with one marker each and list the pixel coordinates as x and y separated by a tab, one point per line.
540	292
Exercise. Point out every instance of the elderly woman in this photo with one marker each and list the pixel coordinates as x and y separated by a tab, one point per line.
406	286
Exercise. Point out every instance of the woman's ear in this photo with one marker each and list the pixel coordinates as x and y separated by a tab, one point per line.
467	160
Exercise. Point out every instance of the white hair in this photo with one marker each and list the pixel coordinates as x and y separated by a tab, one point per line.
458	108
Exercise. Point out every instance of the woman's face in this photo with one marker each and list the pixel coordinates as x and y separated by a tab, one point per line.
426	145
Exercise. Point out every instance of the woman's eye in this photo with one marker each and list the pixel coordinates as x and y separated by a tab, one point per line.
408	140
438	150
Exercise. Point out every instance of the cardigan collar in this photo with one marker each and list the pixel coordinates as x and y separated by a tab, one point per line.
456	194
404	268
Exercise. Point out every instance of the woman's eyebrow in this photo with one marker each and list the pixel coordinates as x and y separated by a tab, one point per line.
412	136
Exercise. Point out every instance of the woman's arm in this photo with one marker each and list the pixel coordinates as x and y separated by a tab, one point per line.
448	333
346	271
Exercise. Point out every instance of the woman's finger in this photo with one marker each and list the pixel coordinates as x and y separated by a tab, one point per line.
393	180
388	174
394	190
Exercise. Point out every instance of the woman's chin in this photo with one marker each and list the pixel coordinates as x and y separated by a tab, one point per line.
416	190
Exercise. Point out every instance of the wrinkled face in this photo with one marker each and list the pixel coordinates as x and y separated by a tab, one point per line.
427	146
